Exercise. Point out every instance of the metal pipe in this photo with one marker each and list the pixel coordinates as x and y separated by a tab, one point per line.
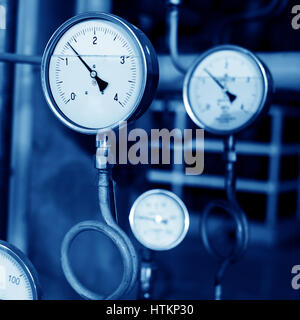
20	58
147	275
232	207
8	11
241	242
284	67
230	188
93	5
106	205
219	277
112	234
173	17
107	201
230	159
21	147
106	194
110	228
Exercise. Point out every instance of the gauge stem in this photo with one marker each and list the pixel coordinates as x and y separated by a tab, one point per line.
105	181
147	275
219	277
107	206
230	158
230	186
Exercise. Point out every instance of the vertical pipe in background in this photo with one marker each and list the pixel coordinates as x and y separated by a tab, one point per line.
93	5
26	82
180	122
274	169
8	9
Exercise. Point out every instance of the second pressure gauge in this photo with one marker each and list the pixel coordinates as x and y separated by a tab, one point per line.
227	89
97	71
159	219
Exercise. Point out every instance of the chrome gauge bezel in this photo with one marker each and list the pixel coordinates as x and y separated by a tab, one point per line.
265	100
175	198
150	65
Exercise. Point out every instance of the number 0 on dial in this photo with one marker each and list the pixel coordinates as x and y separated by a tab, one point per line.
97	71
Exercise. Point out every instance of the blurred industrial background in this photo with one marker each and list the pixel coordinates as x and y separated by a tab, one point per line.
48	180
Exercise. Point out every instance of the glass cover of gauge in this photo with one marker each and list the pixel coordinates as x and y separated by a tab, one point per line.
18	278
226	89
159	220
97	71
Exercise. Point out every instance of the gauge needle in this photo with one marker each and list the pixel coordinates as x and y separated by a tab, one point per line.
230	96
146	218
101	84
156	219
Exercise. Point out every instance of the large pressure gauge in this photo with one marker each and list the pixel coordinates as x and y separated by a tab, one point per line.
159	220
226	90
18	278
97	71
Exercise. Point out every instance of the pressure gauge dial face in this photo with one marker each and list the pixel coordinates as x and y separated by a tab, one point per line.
97	71
226	90
159	220
18	278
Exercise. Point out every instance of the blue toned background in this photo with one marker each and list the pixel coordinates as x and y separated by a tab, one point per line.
48	180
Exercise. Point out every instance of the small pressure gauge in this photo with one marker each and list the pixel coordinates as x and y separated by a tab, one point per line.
227	89
159	220
97	71
18	277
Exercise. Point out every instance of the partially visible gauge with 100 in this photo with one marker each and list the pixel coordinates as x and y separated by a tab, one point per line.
18	278
227	88
159	219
